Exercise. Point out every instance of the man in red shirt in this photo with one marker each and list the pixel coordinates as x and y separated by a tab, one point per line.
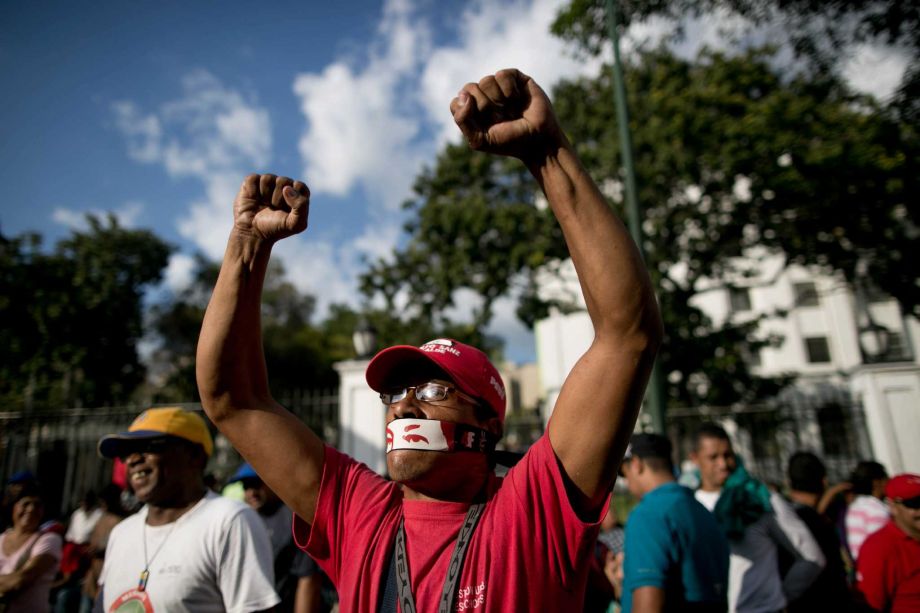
888	568
446	534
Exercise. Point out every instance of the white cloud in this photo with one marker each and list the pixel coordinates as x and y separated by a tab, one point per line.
373	119
179	272
143	132
493	36
361	126
126	215
876	70
212	133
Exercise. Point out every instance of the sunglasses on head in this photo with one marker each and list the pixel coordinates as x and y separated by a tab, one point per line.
910	503
426	392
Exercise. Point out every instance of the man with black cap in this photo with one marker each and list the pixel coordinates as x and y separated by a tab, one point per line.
188	549
676	557
446	534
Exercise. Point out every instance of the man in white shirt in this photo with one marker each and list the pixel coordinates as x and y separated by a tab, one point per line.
84	519
187	550
758	523
868	511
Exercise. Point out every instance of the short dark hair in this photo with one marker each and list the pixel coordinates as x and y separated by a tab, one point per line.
806	472
865	473
709	429
653	449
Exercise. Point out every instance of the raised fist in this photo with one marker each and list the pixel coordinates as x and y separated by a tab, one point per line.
506	113
271	208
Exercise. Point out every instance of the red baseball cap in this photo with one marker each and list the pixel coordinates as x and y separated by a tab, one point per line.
468	367
903	487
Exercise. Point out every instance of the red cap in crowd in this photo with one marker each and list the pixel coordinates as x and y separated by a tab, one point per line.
903	487
468	367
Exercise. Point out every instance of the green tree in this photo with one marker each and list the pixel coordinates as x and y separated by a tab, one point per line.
730	157
298	353
824	33
72	318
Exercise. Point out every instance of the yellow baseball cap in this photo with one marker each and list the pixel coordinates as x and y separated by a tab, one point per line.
152	423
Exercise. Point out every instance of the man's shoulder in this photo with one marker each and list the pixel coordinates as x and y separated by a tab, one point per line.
884	540
219	510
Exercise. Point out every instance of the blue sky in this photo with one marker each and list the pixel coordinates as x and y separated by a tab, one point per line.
156	110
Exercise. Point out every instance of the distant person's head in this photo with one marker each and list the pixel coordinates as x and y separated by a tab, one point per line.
110	500
256	493
869	479
903	493
27	507
714	455
165	452
88	501
807	473
445	410
647	463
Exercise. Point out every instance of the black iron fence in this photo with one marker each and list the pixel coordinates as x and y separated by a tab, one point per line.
823	419
59	447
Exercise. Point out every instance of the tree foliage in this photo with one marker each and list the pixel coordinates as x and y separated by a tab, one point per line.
824	33
298	353
72	318
730	156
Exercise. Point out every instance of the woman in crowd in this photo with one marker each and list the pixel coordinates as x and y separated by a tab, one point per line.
29	558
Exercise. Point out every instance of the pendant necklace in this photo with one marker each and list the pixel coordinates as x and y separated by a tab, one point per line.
145	574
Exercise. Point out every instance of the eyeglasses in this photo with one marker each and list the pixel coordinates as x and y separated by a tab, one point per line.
426	392
910	503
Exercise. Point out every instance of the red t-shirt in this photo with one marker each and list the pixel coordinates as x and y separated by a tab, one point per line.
888	570
530	551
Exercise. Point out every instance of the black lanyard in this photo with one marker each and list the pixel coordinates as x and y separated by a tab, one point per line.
398	571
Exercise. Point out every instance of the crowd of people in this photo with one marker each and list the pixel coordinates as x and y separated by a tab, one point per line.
445	532
185	548
736	544
733	544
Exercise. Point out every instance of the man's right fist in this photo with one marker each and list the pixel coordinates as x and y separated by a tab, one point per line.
271	208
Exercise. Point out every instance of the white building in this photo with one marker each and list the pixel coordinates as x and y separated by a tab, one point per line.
855	355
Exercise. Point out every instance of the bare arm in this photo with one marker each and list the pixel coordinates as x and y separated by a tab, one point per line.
308	597
27	575
231	372
597	408
648	599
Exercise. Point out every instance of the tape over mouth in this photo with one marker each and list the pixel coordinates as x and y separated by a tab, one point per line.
436	435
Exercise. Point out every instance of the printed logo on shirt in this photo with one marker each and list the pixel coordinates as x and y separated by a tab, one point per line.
132	601
471	597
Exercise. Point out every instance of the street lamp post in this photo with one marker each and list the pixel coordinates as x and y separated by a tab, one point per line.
364	339
655	397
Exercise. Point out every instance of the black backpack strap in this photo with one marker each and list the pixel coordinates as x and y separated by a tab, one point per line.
388	599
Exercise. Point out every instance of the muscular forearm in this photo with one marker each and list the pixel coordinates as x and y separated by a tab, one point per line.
230	362
600	400
613	277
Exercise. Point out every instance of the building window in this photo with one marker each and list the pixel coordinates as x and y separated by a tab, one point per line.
898	348
740	299
817	350
806	294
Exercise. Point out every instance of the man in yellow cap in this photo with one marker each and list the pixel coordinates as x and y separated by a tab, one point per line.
187	549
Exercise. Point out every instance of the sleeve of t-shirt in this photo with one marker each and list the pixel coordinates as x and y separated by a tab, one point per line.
303	565
541	503
646	552
244	573
352	503
872	573
49	544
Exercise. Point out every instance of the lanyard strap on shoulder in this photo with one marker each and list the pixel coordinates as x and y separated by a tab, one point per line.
398	570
